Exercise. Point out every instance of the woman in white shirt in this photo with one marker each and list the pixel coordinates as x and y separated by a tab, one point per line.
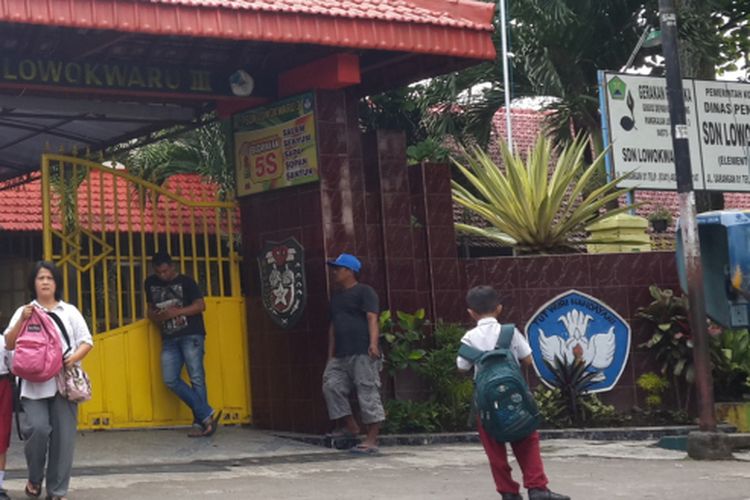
50	420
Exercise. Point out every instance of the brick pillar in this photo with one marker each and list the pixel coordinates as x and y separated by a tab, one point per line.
388	184
326	218
436	240
365	204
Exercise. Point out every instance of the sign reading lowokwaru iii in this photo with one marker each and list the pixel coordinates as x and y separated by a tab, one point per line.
282	278
276	145
110	75
577	328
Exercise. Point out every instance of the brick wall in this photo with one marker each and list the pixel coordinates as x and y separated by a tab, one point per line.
619	280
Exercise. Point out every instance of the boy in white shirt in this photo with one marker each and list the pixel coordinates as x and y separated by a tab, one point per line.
484	308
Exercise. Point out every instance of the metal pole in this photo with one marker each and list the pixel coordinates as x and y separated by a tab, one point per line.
506	74
688	223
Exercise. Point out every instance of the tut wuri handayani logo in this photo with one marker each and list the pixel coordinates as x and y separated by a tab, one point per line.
576	326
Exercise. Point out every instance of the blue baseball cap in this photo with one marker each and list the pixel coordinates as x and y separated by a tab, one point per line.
348	261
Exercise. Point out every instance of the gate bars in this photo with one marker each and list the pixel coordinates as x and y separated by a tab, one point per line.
101	225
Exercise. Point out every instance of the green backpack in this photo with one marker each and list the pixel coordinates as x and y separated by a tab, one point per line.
507	410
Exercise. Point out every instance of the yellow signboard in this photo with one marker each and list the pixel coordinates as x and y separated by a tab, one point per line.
276	146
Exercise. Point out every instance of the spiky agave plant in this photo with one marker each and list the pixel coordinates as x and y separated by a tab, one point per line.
573	378
529	205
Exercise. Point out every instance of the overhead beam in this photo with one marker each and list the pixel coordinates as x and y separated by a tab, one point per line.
66	106
330	73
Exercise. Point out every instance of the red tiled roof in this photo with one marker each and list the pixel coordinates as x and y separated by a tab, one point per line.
21	208
445	27
457	14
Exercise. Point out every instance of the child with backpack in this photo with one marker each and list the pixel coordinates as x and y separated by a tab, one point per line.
506	409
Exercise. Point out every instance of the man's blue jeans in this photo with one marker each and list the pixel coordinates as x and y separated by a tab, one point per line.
188	351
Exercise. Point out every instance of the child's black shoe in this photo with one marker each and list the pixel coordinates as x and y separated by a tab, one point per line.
511	496
546	495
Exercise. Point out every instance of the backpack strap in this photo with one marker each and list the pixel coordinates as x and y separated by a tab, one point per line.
17	409
471	354
506	336
64	332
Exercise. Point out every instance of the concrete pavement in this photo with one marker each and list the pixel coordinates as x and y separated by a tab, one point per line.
246	463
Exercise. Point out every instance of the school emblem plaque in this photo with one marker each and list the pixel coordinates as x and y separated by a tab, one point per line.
576	327
282	278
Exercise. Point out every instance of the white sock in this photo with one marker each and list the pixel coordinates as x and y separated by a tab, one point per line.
2	478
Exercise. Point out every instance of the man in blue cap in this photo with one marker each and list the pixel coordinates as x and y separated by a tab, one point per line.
354	360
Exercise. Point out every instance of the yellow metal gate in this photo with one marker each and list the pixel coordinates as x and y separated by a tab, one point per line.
100	227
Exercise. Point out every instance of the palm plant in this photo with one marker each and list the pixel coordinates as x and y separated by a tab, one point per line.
528	208
573	379
153	163
202	151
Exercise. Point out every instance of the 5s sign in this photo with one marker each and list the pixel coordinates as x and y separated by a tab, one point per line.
263	157
276	146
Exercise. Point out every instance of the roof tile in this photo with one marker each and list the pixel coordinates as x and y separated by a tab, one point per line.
463	25
21	209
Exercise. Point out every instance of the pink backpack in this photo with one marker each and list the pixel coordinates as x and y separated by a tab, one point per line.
38	354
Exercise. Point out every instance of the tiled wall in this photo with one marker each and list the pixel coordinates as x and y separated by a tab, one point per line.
363	205
327	218
619	280
398	220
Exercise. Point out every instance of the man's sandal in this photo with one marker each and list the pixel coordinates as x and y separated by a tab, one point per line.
363	449
213	424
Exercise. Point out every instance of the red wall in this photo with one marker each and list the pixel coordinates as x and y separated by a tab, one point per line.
619	280
398	220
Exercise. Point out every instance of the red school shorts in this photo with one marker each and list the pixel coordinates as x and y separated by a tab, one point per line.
6	412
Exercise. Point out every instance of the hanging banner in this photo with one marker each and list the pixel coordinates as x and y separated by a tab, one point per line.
276	146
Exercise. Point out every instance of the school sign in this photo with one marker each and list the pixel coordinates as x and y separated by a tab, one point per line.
635	116
112	76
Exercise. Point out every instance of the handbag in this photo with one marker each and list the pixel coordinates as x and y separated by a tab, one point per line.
72	382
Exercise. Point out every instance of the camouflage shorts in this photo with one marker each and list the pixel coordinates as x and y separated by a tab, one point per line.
361	373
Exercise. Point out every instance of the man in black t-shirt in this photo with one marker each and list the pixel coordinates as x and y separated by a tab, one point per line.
354	360
175	303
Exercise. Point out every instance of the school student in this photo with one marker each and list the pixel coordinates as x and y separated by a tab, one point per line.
484	307
6	414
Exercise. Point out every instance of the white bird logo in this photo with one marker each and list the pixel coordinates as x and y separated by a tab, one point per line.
598	350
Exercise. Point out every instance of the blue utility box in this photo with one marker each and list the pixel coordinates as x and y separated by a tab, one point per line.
725	255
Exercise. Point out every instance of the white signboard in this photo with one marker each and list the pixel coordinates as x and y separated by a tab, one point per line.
641	137
718	130
724	124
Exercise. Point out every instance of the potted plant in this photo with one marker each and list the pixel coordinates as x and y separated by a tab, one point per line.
660	219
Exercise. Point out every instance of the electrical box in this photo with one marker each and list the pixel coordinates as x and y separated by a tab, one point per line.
725	256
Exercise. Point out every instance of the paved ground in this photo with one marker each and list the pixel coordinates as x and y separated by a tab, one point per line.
248	464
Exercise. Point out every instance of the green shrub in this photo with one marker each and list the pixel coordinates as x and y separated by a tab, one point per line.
551	406
449	388
433	359
653	385
411	416
731	360
403	338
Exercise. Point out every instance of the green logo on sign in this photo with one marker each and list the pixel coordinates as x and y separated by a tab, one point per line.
617	88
